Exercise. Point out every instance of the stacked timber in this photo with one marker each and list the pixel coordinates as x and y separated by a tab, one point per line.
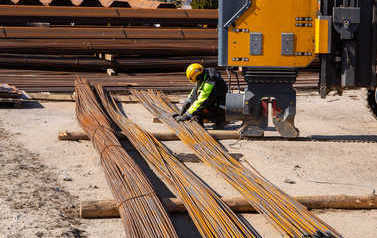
7	91
11	95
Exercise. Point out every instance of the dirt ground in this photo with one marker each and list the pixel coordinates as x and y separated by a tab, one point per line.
42	180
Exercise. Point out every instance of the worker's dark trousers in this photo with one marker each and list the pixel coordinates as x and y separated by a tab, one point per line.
216	116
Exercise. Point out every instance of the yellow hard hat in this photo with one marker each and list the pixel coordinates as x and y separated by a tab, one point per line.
193	71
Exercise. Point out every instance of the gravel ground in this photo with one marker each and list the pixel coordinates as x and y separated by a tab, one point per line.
32	202
42	179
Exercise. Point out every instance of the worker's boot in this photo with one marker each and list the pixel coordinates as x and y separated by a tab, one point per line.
199	120
219	119
220	125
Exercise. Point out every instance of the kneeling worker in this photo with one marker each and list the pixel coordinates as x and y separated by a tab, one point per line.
206	101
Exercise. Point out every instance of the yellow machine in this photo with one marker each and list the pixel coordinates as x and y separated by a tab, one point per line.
270	41
256	38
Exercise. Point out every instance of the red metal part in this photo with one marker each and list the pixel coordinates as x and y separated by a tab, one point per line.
275	109
265	107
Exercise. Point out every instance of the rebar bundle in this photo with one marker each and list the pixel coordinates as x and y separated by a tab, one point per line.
286	214
210	214
141	210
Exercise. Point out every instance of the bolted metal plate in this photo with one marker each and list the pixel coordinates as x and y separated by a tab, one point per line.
256	43
288	44
346	14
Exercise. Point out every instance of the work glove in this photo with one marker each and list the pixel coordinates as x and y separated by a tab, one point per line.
175	115
184	117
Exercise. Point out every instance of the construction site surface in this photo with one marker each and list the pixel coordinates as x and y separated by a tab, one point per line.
43	179
90	147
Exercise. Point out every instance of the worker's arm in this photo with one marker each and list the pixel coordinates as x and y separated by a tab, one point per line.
191	97
188	102
202	98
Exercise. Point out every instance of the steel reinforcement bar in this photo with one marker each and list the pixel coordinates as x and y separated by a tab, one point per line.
212	217
285	213
142	213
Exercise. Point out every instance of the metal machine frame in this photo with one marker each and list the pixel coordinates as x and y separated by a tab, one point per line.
351	63
342	33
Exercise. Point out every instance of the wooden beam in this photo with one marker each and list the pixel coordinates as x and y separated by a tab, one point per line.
162	136
109	208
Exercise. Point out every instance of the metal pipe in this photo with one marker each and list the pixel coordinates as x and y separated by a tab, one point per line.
162	47
64	32
16	15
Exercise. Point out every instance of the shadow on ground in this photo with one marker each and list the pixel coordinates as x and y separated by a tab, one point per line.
24	105
322	138
182	222
192	158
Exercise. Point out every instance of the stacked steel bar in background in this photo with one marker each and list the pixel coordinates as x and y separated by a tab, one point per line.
63	38
64	32
122	41
93	64
77	39
93	3
19	15
174	82
123	32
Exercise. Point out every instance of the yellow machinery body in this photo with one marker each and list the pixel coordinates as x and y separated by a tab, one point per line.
271	20
271	41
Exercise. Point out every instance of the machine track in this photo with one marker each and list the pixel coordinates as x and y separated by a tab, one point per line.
372	102
331	138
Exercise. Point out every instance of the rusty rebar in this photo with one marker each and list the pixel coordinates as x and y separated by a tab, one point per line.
210	214
285	213
141	210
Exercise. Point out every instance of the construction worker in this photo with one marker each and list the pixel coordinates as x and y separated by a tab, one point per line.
206	101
